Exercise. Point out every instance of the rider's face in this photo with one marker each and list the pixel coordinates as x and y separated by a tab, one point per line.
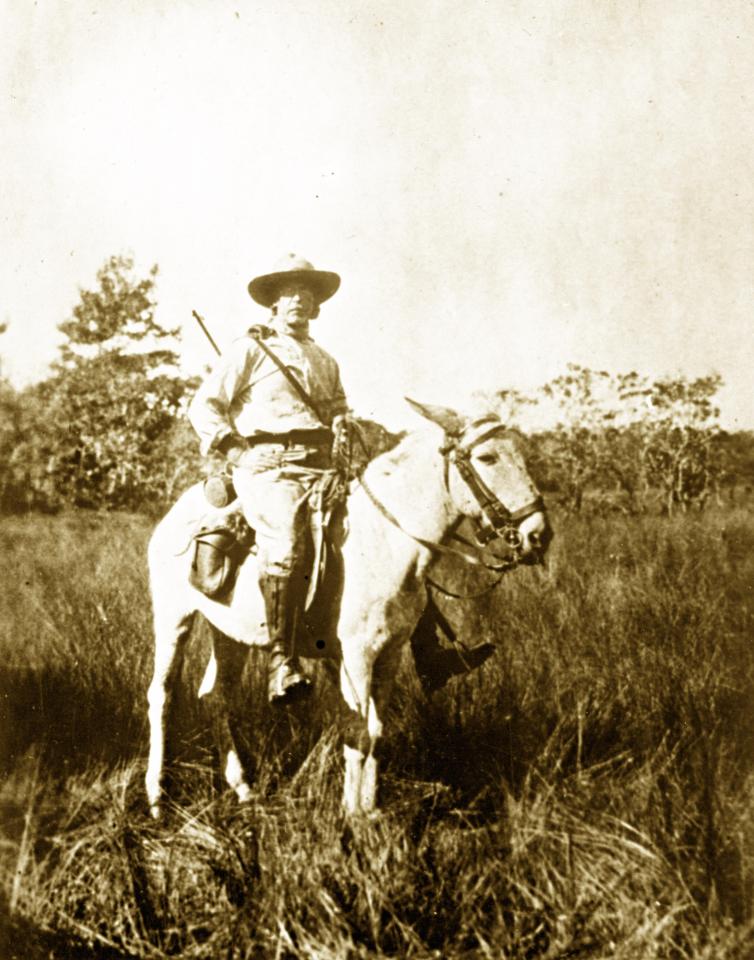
294	309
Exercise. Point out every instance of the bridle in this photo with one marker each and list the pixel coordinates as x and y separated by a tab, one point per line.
496	520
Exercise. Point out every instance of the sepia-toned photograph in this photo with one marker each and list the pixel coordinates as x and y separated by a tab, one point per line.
377	480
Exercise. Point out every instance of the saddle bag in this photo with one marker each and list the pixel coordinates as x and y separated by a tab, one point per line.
218	553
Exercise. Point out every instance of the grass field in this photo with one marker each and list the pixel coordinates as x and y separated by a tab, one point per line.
588	793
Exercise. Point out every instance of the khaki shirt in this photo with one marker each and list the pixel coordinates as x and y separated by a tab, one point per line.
247	394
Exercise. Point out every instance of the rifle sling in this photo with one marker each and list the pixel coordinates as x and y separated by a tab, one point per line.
257	335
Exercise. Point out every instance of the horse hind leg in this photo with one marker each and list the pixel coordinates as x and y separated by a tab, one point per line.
224	701
171	630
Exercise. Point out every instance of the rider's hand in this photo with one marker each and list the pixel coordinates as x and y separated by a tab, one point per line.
231	447
341	422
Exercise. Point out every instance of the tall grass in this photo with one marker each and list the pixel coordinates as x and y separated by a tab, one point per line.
588	793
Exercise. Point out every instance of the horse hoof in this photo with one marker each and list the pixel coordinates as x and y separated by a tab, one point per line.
244	794
362	818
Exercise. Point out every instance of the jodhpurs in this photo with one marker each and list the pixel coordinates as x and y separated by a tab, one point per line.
274	483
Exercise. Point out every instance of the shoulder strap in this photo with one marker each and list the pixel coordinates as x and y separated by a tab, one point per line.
258	334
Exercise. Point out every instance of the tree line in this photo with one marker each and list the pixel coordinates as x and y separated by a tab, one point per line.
107	428
625	441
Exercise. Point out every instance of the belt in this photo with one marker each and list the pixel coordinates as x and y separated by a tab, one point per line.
293	438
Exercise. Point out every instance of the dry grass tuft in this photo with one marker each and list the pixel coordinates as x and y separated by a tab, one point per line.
588	793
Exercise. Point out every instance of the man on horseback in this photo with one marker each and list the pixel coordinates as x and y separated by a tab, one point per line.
272	406
269	407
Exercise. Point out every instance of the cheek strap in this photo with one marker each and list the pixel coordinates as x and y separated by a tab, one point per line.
497	520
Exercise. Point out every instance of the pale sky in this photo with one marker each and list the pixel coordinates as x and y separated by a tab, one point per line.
503	186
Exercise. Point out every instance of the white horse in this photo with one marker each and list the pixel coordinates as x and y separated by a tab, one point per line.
408	501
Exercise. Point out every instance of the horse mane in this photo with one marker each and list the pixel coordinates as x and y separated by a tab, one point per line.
403	450
398	453
375	441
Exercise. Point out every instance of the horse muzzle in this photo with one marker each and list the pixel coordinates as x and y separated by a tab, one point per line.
535	535
523	538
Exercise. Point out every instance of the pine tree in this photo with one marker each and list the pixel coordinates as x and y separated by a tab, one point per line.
112	405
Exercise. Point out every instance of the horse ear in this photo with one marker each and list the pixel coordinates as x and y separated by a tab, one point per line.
448	419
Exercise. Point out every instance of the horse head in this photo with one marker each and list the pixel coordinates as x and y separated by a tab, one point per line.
488	482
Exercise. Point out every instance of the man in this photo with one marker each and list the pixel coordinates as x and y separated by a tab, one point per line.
275	427
252	412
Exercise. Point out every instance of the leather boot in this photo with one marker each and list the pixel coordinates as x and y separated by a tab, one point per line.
286	682
435	667
437	654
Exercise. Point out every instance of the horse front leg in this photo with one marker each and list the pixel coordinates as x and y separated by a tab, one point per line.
355	684
366	689
171	633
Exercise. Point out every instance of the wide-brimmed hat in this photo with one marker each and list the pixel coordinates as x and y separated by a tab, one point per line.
293	269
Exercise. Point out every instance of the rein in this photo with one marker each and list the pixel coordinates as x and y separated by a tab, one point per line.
498	521
474	556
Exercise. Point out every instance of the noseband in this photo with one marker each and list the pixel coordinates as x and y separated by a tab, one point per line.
496	519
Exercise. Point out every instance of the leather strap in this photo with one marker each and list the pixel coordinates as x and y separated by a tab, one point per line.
499	518
317	437
473	555
257	333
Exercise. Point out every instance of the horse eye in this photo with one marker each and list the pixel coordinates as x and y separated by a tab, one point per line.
487	458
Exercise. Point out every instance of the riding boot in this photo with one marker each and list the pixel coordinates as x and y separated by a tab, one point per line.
437	654
286	682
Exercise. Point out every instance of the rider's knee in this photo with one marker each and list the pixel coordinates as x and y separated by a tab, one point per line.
280	560
281	567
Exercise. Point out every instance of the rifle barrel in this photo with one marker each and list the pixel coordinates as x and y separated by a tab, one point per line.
207	334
